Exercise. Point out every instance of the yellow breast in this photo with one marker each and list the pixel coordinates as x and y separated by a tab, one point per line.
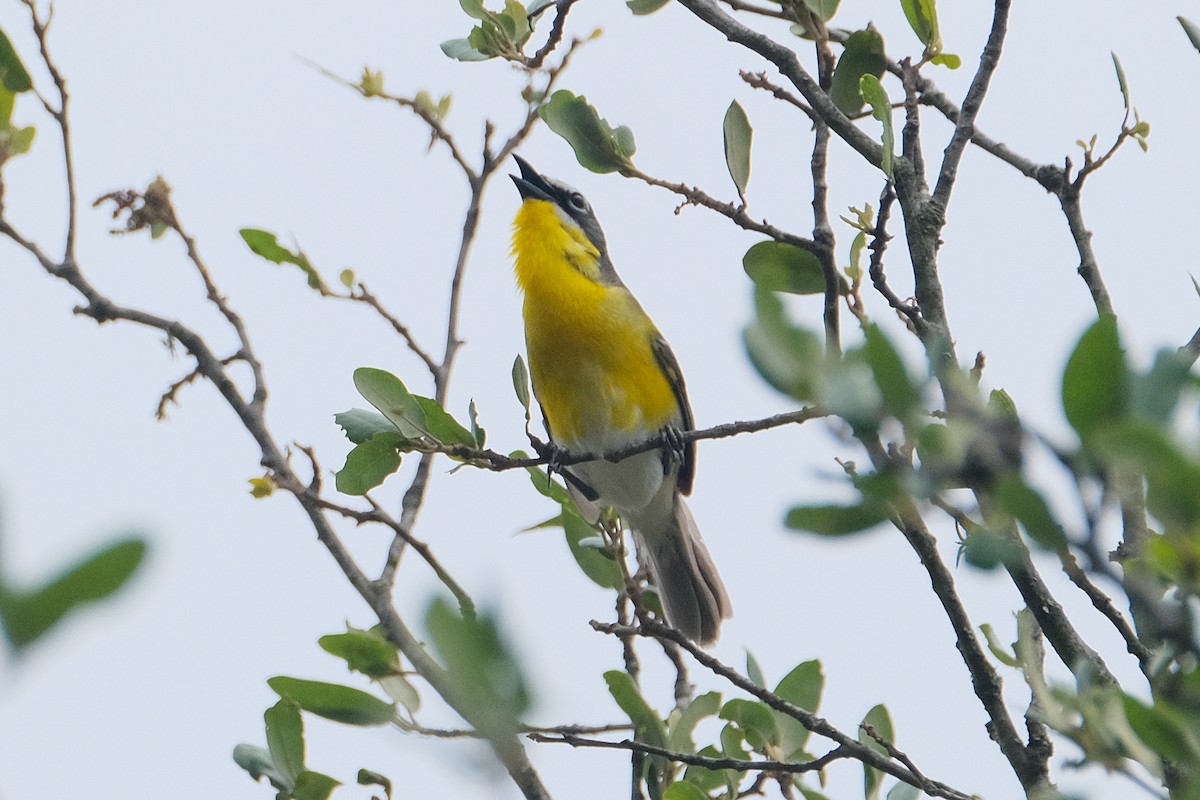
590	345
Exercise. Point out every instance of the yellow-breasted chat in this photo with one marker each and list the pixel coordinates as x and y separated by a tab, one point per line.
606	379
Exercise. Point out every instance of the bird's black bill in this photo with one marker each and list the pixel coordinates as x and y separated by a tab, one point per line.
530	184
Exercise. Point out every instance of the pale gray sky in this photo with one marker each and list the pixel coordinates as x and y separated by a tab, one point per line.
149	694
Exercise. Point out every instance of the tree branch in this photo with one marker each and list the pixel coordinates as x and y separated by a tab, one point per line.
850	745
693	760
785	60
964	126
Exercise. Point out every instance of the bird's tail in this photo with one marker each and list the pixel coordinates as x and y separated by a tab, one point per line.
684	574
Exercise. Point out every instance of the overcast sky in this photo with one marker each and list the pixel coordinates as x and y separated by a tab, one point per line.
148	695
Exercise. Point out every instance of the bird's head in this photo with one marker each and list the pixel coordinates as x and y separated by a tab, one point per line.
572	212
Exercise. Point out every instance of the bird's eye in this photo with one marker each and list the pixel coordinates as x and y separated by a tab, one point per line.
577	202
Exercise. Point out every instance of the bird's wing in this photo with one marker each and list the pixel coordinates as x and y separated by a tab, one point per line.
670	367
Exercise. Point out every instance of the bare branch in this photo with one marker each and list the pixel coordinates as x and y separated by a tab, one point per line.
561	9
879	242
822	229
41	29
984	678
1104	604
691	759
497	462
362	295
785	60
964	126
736	213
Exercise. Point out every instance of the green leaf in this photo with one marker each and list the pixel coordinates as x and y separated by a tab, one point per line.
682	790
402	691
738	135
881	108
708	780
28	615
802	688
900	395
314	786
597	564
266	245
1095	387
8	100
285	738
461	50
1000	404
485	675
1193	32
754	671
648	726
334	701
1030	509
1121	82
520	380
389	394
903	791
987	550
18	141
1171	475
443	427
949	61
360	424
825	9
257	761
474	9
863	55
811	794
478	434
831	520
1160	731
369	464
365	651
538	6
788	357
680	736
515	22
783	267
879	719
643	7
597	146
922	17
756	720
1156	393
13	76
1003	656
368	778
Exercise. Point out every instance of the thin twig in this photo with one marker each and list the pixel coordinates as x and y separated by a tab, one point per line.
984	679
878	246
737	213
1104	604
362	295
40	29
561	9
823	235
786	61
964	126
497	462
691	759
852	747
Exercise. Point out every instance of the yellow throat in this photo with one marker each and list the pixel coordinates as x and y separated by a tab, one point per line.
591	346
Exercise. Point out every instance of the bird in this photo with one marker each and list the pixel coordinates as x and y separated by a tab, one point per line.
605	378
